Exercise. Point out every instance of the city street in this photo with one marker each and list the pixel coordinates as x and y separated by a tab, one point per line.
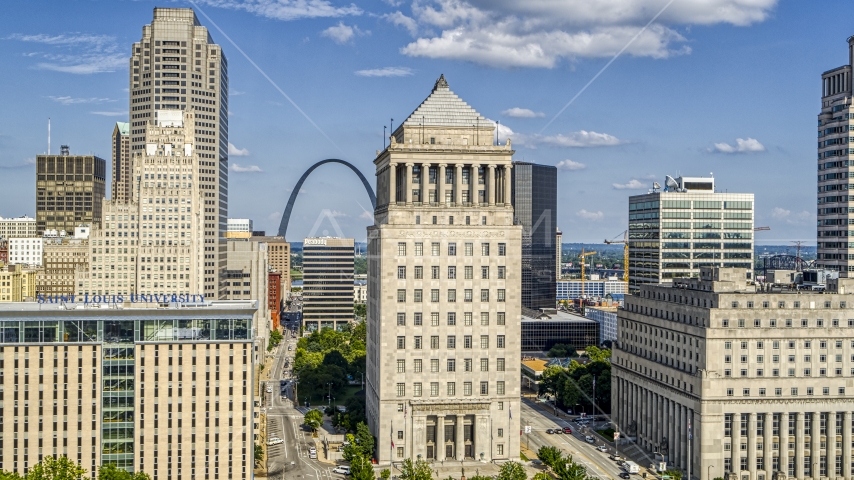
597	463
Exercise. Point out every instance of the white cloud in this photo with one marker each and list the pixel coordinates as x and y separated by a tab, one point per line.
336	214
750	145
592	216
401	20
234	93
237	168
343	33
287	9
581	139
110	114
779	212
98	53
66	100
539	33
236	152
801	218
633	184
97	41
570	165
517	112
25	164
385	72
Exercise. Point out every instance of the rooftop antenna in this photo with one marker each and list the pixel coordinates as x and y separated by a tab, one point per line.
391	128
48	135
383	137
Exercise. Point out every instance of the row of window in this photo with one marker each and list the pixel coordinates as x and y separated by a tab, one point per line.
776	358
450	389
450	365
822	372
418	295
418	319
775	344
435	249
418	342
468	272
804	322
783	304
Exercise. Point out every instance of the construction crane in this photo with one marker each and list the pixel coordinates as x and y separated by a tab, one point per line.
583	256
759	229
625	242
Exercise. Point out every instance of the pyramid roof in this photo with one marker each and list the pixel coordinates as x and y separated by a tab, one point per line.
443	108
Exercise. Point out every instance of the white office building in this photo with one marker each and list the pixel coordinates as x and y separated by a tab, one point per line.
27	250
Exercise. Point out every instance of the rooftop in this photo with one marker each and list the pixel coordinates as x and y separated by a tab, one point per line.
443	108
557	316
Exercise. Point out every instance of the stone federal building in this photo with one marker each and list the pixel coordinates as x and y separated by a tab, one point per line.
444	278
727	381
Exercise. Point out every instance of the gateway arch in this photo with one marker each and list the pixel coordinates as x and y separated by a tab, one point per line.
286	217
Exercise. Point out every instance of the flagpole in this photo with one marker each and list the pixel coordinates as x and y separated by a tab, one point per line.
391	447
690	445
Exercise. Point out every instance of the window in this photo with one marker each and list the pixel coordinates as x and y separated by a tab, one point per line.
434	273
401	248
502	272
434	319
778	392
484	272
401	295
416	389
725	323
401	342
401	390
841	391
467	365
484	364
727	345
469	273
727	358
467	319
794	391
466	388
401	319
418	365
452	389
417	297
761	392
825	391
452	318
501	294
499	388
484	295
452	341
469	249
419	249
745	392
467	295
434	295
451	365
434	365
452	273
484	249
500	319
740	323
401	366
500	341
484	318
729	392
499	364
502	249
809	391
452	295
419	272
499	448
418	343
484	388
400	449
757	322
467	341
484	341
452	249
434	248
434	342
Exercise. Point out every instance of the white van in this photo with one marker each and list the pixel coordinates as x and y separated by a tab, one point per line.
631	467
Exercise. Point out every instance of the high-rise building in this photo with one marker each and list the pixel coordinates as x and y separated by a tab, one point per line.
176	69
675	232
246	279
165	391
279	253
122	168
558	254
835	161
535	207
17	284
327	275
27	251
69	190
444	274
23	226
274	298
740	383
62	258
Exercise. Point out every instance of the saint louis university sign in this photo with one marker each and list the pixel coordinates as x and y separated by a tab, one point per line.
132	298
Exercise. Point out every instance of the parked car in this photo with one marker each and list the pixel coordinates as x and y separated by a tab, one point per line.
567	430
550	431
344	469
625	475
602	448
557	430
274	441
589	439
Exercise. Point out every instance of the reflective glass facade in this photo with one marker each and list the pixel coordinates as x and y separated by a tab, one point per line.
534	201
542	335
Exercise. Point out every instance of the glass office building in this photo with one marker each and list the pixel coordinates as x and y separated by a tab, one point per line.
534	201
542	333
132	384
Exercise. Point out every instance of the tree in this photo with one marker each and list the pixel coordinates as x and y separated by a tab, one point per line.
512	471
360	310
61	468
596	354
542	476
313	419
418	470
562	350
10	476
569	470
674	474
385	474
550	456
111	472
361	469
259	453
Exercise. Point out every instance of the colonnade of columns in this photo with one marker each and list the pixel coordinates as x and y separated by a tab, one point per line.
497	184
802	452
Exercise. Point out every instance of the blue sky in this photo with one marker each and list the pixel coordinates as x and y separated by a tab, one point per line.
724	86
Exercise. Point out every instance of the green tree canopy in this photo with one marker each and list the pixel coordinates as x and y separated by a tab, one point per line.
59	468
418	470
550	456
562	350
512	471
111	472
313	419
361	469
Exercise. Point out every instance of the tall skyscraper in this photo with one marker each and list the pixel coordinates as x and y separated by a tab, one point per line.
327	268
674	233
176	68
120	189
444	275
835	161
535	207
70	190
